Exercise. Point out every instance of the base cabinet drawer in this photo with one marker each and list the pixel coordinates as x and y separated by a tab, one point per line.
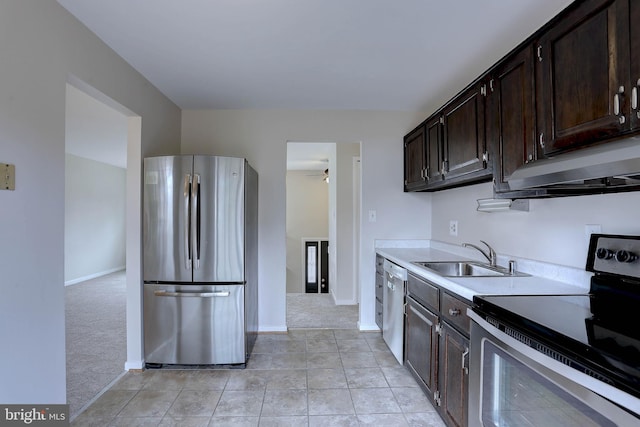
379	286
423	292
454	311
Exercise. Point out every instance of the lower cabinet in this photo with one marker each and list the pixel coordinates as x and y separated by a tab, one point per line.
453	376
379	289
421	352
437	347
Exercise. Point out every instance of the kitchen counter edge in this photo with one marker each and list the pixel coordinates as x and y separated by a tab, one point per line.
468	287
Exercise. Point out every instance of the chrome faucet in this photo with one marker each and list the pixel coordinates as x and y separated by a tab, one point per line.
491	256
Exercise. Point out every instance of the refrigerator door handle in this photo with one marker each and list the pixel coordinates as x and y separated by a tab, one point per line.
192	294
195	219
187	233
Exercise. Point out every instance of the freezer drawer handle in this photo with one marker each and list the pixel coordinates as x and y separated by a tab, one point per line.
192	294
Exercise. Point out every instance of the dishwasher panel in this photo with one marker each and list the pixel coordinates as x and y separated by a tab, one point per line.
393	309
194	324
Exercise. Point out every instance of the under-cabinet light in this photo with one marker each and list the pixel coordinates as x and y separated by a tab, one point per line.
501	205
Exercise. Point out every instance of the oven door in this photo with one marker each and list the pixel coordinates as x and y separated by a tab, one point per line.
511	384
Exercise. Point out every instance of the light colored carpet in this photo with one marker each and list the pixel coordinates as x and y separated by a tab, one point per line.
318	311
95	336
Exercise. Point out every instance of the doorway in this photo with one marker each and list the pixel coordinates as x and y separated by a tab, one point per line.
320	202
102	152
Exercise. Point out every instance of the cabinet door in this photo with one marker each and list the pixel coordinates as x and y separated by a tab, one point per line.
414	160
511	130
582	74
453	377
421	344
464	134
634	28
433	147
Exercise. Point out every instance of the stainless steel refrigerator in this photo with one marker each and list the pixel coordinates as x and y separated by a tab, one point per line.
200	242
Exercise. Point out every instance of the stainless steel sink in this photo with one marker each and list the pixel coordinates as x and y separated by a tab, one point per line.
466	269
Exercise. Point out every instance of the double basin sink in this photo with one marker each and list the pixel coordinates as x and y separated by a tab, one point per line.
467	269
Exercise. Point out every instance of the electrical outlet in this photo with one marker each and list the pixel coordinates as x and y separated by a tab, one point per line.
453	228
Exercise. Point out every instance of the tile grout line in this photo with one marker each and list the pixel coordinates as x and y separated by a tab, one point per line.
96	397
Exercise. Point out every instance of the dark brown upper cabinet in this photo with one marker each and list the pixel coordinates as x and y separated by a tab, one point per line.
583	76
415	160
454	151
465	154
433	148
572	84
423	156
510	113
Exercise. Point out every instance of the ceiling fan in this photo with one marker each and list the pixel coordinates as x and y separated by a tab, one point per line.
324	175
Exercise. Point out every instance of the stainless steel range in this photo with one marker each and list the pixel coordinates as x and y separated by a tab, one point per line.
566	360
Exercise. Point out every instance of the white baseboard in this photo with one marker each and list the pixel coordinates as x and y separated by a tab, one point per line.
93	276
368	326
272	329
136	364
342	301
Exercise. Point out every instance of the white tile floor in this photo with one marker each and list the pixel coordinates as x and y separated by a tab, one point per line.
326	377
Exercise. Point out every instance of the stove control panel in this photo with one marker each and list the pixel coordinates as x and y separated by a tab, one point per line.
614	254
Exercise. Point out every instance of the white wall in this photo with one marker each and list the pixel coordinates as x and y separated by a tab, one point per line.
344	286
43	47
552	231
94	219
261	137
307	216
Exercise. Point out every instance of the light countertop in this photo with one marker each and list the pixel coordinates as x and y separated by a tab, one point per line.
559	280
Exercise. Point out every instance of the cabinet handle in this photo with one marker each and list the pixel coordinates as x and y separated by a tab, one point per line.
444	167
491	85
616	105
465	369
634	96
529	159
541	140
454	312
539	53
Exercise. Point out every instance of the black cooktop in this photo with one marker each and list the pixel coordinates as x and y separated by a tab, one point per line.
597	333
564	328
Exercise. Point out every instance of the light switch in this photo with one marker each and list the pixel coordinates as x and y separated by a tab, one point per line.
373	216
7	177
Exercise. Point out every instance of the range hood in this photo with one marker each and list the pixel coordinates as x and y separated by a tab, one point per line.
613	166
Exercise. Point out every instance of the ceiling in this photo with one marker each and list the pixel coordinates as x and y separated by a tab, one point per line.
309	155
402	55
